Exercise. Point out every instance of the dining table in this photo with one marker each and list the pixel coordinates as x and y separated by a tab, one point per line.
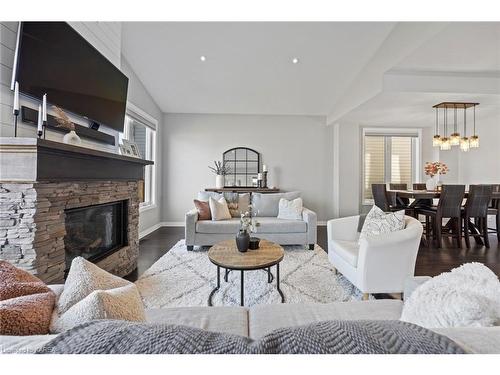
419	196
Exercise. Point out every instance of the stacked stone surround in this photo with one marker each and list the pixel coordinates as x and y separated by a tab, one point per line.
32	226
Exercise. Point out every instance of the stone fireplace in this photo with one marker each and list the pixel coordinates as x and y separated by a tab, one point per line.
46	222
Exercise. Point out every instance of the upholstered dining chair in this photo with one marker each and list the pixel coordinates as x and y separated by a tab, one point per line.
398	200
476	207
449	207
494	210
382	199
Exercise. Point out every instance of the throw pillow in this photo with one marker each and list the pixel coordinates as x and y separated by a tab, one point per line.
290	210
219	209
26	303
203	209
378	222
237	203
468	296
267	205
123	303
83	278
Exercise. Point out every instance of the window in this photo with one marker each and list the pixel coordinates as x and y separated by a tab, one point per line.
140	128
389	157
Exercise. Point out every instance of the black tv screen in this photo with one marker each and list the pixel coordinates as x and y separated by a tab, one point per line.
55	59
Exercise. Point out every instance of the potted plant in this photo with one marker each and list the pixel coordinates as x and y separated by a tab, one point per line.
434	169
221	169
247	225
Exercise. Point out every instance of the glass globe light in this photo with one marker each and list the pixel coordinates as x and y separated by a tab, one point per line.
474	141
445	145
455	139
464	144
436	140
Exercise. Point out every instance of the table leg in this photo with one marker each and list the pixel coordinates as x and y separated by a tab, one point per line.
278	283
270	276
242	303
226	275
215	289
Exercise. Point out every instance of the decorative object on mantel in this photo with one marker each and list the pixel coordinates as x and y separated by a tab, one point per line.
130	148
221	170
44	114
15	107
445	143
64	122
434	170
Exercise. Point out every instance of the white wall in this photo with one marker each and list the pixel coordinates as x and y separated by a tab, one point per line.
139	96
296	149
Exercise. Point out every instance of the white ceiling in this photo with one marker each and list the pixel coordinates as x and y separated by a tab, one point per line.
460	47
248	68
249	71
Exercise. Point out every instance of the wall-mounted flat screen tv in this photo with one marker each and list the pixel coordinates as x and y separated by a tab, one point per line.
55	59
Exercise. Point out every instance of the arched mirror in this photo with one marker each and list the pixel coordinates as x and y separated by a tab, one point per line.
244	165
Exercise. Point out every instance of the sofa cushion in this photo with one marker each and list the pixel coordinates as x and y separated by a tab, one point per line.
263	319
275	225
347	250
219	209
83	278
268	204
290	209
123	303
203	209
231	226
237	203
233	320
26	303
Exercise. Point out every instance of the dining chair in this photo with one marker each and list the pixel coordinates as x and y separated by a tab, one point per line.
494	210
398	200
448	207
382	199
476	207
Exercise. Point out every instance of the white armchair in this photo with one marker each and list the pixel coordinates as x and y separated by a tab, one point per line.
378	264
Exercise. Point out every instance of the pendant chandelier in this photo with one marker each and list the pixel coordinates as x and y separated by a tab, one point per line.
445	142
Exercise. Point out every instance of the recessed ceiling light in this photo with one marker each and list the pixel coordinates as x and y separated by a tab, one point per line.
295	60
203	58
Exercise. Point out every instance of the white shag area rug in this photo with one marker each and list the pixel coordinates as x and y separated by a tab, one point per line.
186	278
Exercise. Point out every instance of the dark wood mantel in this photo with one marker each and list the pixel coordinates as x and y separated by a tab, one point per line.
33	159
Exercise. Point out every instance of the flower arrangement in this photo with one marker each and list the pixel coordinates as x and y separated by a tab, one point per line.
434	168
221	168
248	222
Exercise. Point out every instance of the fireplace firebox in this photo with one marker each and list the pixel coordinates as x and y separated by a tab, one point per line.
94	232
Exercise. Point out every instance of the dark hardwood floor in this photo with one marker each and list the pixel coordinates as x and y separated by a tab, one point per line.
431	261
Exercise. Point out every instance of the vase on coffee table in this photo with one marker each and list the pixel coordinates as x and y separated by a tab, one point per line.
242	241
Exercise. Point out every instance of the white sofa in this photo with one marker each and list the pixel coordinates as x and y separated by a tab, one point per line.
259	320
283	232
378	264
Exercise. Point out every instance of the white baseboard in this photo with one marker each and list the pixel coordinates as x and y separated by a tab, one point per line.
161	224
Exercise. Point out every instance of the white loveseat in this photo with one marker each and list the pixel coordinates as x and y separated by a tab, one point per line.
281	231
378	264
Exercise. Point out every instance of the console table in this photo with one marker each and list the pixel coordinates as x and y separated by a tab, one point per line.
239	189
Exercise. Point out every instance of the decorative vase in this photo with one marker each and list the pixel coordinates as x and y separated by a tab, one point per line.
242	241
72	138
254	243
432	183
219	181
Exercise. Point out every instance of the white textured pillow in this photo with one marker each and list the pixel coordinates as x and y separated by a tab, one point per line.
83	278
468	296
290	210
219	209
122	303
379	222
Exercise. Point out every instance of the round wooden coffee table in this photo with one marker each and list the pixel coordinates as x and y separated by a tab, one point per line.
225	255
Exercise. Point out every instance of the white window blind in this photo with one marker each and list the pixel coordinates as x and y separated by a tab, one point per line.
388	158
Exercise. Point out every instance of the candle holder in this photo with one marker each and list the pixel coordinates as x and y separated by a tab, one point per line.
16	114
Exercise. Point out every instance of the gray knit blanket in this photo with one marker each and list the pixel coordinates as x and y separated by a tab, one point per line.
329	337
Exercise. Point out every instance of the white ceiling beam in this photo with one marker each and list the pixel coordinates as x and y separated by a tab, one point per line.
487	83
401	42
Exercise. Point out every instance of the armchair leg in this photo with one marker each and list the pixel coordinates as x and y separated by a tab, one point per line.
366	296
311	246
190	247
